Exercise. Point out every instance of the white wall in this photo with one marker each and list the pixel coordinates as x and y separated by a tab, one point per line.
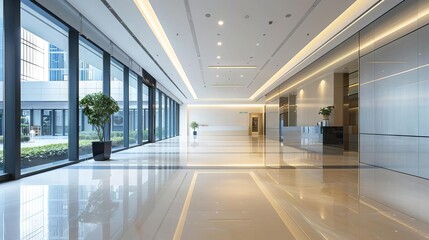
226	120
313	96
183	120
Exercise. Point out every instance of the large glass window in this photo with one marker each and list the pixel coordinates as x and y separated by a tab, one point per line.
163	115
133	116
167	117
90	81
1	89
117	93
44	88
145	113
157	115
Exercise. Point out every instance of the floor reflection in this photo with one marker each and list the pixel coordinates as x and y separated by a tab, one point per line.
142	194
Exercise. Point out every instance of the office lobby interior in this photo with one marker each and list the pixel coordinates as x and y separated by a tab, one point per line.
283	119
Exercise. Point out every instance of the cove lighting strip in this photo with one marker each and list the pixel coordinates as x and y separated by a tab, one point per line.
371	42
152	20
356	11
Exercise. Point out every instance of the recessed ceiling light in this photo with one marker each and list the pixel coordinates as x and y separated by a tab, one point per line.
257	44
241	75
218	57
220	23
219	43
234	67
217	75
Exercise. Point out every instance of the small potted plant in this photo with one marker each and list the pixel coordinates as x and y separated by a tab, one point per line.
326	112
98	108
194	126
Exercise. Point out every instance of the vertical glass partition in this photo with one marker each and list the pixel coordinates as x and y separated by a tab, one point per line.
90	81
145	113
1	88
133	117
157	116
44	88
117	93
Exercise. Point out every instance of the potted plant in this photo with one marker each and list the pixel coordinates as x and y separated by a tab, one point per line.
98	108
194	126
326	112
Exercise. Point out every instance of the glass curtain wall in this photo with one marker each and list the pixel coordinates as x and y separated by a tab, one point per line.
157	116
1	89
145	116
90	81
44	88
133	117
163	115
117	93
167	117
45	94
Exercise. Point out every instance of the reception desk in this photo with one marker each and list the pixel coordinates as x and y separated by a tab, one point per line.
328	139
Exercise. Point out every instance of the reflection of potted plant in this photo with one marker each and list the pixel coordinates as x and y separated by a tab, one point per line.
99	208
326	112
194	126
98	108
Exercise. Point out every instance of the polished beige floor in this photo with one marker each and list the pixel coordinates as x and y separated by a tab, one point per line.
216	188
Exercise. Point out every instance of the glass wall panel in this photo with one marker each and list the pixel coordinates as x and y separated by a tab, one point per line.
394	92
145	113
133	117
117	93
168	117
44	87
1	89
157	116
90	81
163	115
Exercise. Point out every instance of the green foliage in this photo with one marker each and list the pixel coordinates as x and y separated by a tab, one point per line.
98	108
88	135
24	138
33	156
326	111
194	125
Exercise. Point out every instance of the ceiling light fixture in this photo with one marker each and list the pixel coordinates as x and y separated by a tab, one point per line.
226	86
257	44
232	67
220	23
219	43
217	75
218	57
241	75
356	11
152	20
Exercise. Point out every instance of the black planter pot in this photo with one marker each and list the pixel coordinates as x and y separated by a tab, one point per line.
101	150
195	133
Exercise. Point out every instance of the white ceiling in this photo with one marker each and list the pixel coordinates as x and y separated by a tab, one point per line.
194	38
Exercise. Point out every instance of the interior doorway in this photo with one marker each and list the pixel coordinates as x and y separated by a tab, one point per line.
255	124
